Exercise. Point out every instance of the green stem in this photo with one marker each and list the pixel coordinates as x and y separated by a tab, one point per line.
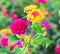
27	46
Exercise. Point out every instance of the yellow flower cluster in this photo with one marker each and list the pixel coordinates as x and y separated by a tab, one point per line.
34	14
45	32
5	31
30	8
27	39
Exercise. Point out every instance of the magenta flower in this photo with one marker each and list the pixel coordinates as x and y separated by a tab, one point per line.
13	16
13	1
0	9
42	1
5	14
18	43
0	42
4	42
19	26
46	25
57	49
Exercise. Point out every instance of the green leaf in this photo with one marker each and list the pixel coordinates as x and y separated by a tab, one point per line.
13	38
24	17
47	42
36	28
59	13
18	50
4	50
39	37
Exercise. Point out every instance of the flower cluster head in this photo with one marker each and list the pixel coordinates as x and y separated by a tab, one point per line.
5	14
46	13
0	9
45	32
46	25
30	8
57	49
4	42
27	38
40	1
13	16
19	26
5	31
35	15
18	43
13	1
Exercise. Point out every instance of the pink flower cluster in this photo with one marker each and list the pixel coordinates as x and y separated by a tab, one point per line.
5	14
46	25
13	16
42	1
4	42
19	26
57	49
18	43
0	9
13	1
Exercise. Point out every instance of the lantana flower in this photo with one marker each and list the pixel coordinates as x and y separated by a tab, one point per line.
5	14
13	16
35	15
0	8
30	8
18	43
46	25
45	31
40	1
19	26
5	31
13	1
27	39
4	42
46	13
57	49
